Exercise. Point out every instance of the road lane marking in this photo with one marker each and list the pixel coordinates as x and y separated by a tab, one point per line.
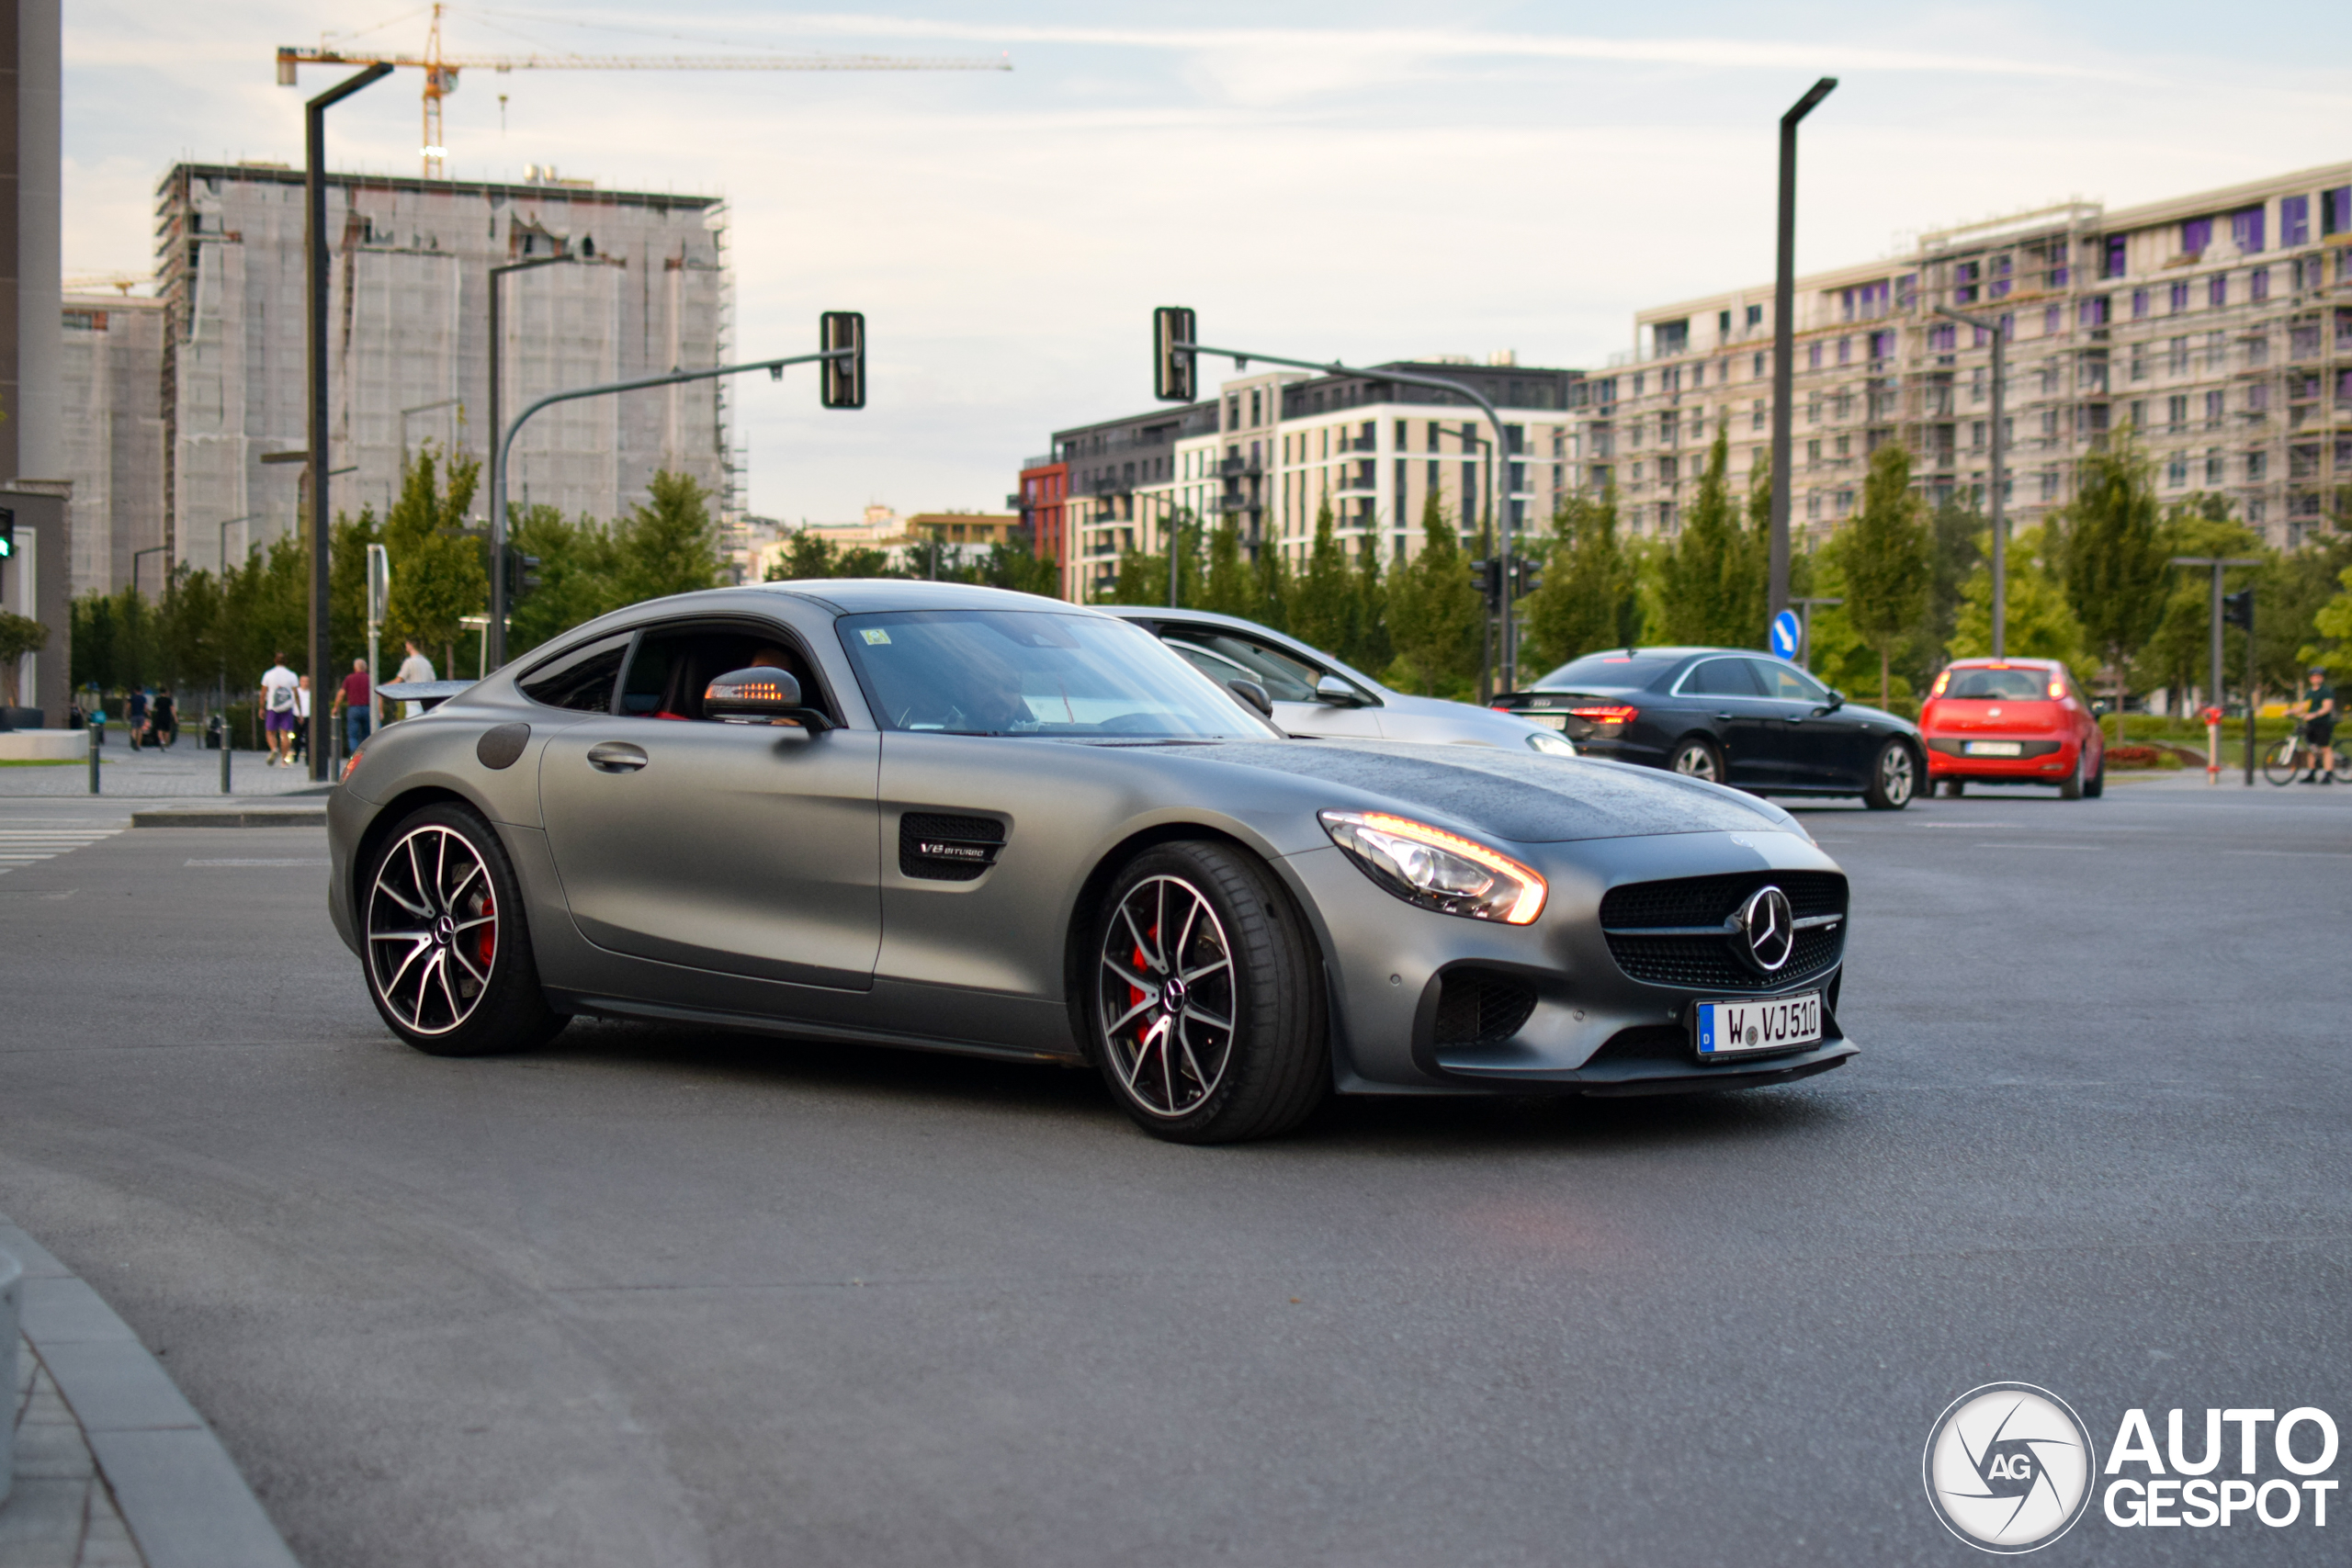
319	860
26	846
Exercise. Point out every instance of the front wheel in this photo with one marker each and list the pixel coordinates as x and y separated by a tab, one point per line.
1894	777
2279	762
1205	1008
1955	789
1697	759
448	960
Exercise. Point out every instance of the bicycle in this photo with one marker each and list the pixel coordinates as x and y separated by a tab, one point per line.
2293	756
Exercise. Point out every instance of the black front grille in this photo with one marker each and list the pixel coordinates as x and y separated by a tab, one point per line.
1479	1007
939	847
1708	962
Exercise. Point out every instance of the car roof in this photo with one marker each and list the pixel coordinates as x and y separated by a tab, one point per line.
853	595
1988	662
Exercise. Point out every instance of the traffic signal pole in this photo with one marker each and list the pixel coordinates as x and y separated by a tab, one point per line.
1179	347
2220	615
853	355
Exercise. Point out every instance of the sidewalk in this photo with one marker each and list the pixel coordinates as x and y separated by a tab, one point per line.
186	770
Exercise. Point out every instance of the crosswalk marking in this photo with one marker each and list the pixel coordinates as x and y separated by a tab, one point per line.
25	846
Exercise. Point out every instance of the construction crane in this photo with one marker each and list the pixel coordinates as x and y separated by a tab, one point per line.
441	71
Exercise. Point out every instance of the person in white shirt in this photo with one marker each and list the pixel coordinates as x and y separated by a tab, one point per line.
415	666
280	689
301	747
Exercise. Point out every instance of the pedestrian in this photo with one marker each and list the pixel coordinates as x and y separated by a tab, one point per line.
279	687
164	720
134	714
351	700
414	668
303	719
2317	710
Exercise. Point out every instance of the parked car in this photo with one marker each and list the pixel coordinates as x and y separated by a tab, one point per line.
1314	694
2012	721
932	815
1730	715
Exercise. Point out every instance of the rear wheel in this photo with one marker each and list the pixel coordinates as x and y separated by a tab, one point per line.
1894	777
448	960
2096	786
1205	1005
1696	757
2279	762
2071	786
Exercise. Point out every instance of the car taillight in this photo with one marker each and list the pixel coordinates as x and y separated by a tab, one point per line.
2057	690
1942	679
1607	714
348	763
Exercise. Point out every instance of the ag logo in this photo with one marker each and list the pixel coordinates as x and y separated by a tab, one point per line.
2009	1468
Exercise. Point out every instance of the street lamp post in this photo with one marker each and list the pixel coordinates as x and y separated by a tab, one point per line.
496	629
1999	480
499	608
1784	319
150	550
316	265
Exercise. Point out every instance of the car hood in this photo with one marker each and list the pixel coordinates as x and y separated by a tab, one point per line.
1529	799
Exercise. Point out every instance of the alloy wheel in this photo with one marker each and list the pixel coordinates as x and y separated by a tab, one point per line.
1894	775
432	930
1165	997
1698	761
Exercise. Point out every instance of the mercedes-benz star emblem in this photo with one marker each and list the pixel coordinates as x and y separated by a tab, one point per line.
1767	932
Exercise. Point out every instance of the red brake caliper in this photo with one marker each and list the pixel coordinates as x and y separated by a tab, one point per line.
488	943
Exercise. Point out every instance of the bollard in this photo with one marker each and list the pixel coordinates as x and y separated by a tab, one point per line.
97	734
221	731
12	1275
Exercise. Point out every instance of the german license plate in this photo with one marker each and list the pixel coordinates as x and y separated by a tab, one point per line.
1548	720
1769	1023
1992	749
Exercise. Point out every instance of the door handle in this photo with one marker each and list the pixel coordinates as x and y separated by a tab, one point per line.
617	757
1723	716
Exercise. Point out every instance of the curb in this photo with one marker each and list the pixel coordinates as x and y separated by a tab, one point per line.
185	817
179	1490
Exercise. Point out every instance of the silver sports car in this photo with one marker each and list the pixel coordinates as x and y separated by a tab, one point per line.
935	816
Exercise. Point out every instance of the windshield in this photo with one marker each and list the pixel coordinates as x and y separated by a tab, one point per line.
2000	685
1621	667
1033	672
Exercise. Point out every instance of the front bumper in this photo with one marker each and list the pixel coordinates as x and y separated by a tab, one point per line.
1589	1027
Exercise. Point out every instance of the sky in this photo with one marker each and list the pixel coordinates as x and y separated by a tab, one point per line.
1369	180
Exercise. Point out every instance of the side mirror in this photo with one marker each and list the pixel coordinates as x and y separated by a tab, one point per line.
759	696
1253	693
1337	693
1836	700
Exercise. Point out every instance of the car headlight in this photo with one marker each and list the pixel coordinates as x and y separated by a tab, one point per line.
1438	870
1552	745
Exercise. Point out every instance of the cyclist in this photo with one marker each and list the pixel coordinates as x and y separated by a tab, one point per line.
2317	710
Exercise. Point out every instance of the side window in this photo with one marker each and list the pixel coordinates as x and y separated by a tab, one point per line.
1788	683
580	680
674	664
1288	679
1721	678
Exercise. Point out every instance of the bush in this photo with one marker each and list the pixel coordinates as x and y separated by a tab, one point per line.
2141	756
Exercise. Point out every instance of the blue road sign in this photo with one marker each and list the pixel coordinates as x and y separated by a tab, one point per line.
1785	633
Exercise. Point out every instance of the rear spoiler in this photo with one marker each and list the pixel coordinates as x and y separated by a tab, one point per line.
427	695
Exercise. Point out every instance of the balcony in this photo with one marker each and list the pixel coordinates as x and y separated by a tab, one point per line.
1234	504
1232	467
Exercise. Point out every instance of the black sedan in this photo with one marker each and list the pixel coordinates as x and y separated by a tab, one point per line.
1730	715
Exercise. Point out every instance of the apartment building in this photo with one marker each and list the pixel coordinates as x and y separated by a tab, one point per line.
1272	448
647	291
2218	326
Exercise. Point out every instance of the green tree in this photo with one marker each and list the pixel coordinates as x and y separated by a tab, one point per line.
1273	587
1956	528
2178	654
1887	557
807	556
2041	625
1713	579
1014	564
669	543
577	575
1369	646
347	586
1591	593
1323	608
20	635
1231	589
2112	561
1434	615
438	574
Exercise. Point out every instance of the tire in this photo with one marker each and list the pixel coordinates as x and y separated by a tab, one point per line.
2279	762
1696	757
1238	947
1895	774
1955	789
2071	786
448	955
2096	786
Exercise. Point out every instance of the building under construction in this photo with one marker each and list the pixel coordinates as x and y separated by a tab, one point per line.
647	290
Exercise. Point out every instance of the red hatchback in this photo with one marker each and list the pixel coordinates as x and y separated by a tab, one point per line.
2012	721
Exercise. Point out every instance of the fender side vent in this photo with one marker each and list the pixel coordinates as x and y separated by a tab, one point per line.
1480	1007
938	848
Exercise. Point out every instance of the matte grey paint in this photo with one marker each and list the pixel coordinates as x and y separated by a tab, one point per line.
750	877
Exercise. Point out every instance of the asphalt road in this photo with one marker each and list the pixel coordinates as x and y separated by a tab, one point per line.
665	1297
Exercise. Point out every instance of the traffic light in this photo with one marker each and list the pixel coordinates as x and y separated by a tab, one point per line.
844	379
1172	368
7	531
2238	609
522	576
1526	577
1485	576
